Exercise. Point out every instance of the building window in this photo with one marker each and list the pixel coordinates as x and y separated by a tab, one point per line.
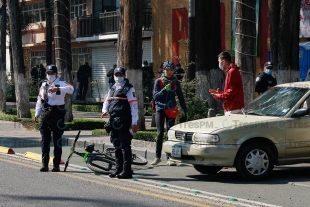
35	12
38	57
79	57
78	8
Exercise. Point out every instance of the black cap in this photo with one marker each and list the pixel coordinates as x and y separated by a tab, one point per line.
51	68
145	62
120	70
268	64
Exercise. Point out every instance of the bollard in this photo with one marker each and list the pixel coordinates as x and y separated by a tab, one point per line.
153	123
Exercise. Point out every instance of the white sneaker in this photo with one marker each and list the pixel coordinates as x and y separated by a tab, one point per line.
171	163
156	161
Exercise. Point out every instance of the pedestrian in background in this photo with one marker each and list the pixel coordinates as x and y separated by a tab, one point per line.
147	83
165	89
34	77
265	80
83	75
122	106
110	75
232	96
51	107
179	72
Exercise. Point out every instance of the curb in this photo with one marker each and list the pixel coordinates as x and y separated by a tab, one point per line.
6	150
36	156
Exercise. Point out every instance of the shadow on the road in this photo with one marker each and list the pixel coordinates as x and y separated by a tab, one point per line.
280	175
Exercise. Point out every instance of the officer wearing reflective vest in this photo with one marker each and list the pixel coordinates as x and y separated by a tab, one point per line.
51	107
122	106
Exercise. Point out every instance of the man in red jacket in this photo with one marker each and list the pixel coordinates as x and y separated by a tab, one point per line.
232	96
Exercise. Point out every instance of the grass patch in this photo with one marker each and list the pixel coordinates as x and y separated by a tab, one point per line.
87	108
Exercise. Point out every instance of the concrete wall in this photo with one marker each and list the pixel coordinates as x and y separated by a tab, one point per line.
162	29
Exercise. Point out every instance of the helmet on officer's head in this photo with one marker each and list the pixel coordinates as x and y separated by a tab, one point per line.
168	64
51	68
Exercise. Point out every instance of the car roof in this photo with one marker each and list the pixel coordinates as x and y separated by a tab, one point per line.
304	84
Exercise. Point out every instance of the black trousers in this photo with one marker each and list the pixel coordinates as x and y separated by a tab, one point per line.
160	118
121	140
45	131
83	87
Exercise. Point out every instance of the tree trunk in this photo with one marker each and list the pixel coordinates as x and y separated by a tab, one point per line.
21	86
208	44
49	50
245	48
63	48
3	76
284	39
129	48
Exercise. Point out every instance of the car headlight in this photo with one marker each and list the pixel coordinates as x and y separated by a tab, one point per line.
171	134
206	138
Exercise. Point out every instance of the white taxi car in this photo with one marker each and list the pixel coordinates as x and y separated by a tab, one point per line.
274	129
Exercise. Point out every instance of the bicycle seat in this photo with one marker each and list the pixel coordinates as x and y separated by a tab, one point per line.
90	147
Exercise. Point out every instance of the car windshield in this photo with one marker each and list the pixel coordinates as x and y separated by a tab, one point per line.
275	102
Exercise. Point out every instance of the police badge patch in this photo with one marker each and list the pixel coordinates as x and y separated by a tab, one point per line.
134	94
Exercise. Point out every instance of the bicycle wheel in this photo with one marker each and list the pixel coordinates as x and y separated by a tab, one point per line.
99	164
138	160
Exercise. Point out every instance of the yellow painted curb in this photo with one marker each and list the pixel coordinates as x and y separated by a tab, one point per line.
35	156
6	150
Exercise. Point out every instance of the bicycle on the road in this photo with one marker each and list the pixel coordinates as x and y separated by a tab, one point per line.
100	162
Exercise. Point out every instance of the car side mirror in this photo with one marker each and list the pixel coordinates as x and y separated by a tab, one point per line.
300	113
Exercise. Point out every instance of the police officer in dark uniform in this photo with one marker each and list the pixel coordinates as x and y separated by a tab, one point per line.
265	80
122	106
51	107
147	83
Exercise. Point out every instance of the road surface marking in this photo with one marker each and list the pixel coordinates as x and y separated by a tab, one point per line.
129	189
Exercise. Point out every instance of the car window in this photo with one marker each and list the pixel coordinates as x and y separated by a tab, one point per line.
277	101
305	104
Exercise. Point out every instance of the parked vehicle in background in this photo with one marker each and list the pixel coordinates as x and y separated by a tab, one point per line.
273	130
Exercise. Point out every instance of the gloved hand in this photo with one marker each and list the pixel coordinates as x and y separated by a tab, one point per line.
168	87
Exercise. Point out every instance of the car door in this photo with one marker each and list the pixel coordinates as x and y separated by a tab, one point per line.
298	135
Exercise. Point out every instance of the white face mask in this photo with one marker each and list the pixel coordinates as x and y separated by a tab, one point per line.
51	78
118	79
220	66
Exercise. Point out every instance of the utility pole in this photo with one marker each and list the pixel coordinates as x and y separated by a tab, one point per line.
191	37
49	50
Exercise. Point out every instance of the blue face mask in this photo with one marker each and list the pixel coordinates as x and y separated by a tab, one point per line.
220	66
268	72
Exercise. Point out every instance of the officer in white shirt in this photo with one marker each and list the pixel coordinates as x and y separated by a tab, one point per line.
51	107
122	106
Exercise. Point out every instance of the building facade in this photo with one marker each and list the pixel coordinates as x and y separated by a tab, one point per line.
94	28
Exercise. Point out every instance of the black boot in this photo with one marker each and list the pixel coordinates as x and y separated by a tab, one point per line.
56	169
44	169
124	175
113	175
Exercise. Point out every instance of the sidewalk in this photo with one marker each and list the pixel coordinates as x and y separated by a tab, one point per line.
15	135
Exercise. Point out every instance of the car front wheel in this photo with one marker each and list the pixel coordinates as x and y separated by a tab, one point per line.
207	169
255	161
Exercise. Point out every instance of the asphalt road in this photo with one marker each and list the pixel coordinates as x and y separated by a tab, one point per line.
288	185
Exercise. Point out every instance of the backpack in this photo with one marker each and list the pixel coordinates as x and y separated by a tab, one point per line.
161	86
